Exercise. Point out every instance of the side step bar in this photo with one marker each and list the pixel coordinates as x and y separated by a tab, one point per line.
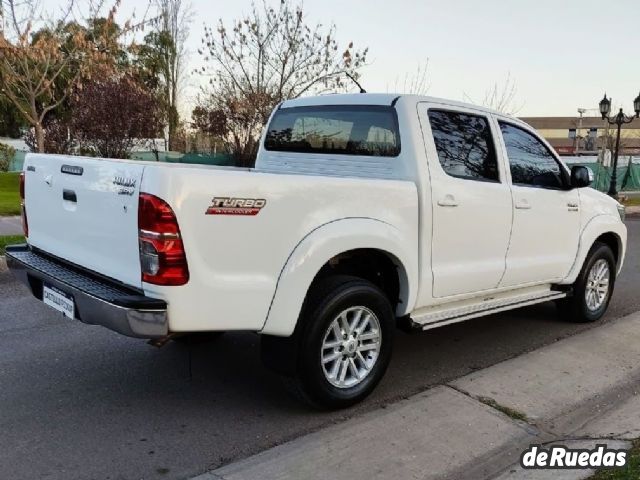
429	320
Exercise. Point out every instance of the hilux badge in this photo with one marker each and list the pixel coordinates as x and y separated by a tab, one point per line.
124	182
127	185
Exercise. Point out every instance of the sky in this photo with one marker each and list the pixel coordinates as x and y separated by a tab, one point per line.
560	54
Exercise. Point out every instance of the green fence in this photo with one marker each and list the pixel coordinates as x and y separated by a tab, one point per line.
177	157
18	159
628	177
171	157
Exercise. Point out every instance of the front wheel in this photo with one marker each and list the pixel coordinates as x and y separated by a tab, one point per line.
593	288
345	344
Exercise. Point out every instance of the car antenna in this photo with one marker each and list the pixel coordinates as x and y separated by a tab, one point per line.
362	90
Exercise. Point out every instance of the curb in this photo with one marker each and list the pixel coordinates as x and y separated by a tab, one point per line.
397	442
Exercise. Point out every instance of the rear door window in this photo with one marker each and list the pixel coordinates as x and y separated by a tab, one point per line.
464	145
370	130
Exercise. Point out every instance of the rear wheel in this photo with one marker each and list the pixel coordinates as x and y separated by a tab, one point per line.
593	288
345	343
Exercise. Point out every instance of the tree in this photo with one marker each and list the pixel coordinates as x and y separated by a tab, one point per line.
11	122
206	125
237	119
7	153
39	71
149	64
414	83
161	58
501	97
102	35
208	121
266	57
109	116
57	137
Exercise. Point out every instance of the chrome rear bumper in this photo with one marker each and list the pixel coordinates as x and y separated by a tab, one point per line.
98	301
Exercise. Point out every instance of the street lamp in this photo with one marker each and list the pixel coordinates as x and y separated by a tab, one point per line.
619	120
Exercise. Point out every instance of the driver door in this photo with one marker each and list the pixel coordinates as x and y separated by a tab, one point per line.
546	216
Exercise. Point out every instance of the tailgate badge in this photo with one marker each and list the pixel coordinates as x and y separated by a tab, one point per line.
127	185
72	169
235	206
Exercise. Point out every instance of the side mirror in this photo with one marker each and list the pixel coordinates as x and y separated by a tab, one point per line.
581	176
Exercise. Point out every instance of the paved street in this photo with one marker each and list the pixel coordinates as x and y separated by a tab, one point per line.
78	401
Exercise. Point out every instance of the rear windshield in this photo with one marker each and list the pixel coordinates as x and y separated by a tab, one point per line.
343	129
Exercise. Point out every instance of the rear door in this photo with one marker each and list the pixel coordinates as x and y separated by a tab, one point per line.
546	218
85	210
471	201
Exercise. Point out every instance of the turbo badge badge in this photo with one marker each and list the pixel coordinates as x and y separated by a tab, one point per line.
235	206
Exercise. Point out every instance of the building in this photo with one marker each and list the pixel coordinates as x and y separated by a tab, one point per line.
586	135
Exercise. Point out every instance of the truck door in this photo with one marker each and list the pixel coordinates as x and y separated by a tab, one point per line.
471	200
546	217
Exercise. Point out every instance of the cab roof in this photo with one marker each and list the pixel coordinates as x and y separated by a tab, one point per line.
376	99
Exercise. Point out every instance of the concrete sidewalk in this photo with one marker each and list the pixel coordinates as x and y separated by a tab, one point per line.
579	391
10	226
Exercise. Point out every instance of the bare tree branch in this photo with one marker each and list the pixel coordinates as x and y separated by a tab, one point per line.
415	83
268	56
501	97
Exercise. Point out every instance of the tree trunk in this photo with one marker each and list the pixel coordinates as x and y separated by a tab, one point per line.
173	127
39	137
172	134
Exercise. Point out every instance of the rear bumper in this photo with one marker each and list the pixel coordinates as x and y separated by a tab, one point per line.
98	301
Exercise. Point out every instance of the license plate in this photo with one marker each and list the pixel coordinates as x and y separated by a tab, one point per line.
58	300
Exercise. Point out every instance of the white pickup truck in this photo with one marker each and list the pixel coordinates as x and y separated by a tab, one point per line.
364	212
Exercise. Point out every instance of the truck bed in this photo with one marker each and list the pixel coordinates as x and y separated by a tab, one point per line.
235	258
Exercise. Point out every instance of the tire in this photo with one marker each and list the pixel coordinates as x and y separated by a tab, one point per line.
584	307
363	352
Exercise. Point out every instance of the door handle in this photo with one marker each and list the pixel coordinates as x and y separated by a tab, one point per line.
69	196
523	204
448	201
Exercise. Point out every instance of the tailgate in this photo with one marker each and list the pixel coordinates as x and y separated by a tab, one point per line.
85	210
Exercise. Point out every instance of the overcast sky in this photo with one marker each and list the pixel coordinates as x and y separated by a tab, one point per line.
562	54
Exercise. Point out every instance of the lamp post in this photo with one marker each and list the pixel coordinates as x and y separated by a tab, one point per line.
619	120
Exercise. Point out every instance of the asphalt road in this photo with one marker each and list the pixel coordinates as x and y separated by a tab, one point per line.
80	402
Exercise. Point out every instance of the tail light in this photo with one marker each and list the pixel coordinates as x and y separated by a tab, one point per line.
162	257
23	209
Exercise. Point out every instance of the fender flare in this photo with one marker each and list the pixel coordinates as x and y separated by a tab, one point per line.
324	243
595	227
